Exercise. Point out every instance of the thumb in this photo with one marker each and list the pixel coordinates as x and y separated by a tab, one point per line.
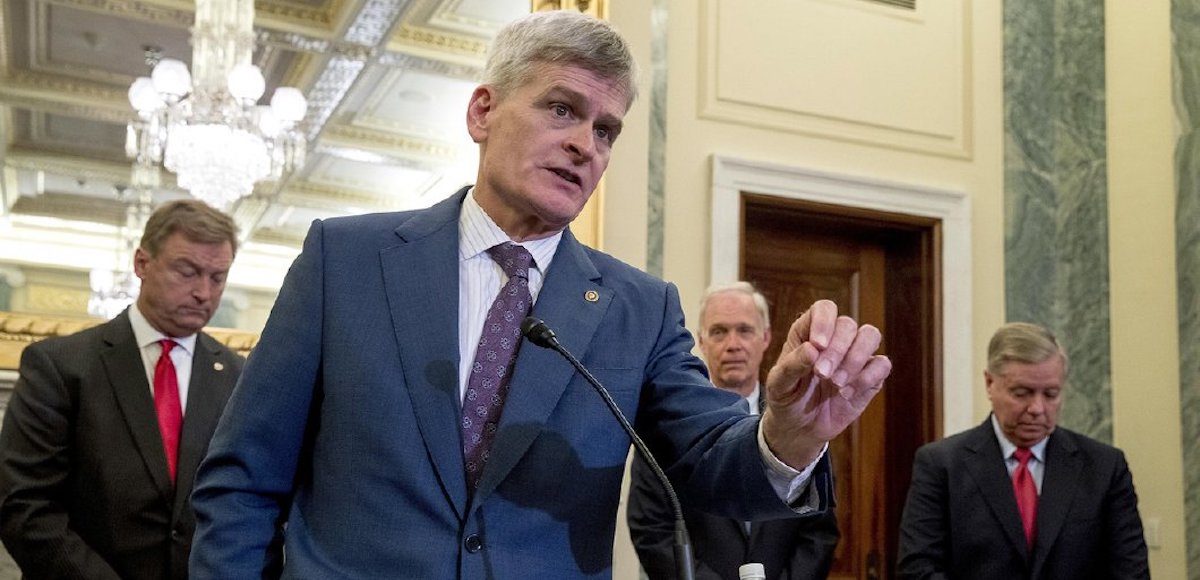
793	366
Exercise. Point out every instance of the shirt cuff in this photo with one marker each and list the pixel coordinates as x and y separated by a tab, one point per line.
788	483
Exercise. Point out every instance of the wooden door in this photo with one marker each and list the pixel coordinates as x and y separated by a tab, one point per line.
880	269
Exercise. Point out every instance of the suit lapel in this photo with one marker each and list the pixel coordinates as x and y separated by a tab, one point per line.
127	377
541	376
986	463
420	277
204	407
1063	469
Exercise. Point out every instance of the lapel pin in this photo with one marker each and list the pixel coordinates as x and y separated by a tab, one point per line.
591	296
218	366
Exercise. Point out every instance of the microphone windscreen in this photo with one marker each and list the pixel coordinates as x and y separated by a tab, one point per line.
537	332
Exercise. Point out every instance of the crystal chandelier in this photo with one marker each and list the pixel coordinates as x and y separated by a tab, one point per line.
114	289
204	126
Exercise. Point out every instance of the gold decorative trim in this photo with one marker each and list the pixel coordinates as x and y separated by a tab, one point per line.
64	95
37	160
423	38
18	331
157	12
386	143
319	196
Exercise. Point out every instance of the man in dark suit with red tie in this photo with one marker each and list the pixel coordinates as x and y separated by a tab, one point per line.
106	427
1019	497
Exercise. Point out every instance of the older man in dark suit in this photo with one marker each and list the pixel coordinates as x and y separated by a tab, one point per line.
735	330
106	427
1019	497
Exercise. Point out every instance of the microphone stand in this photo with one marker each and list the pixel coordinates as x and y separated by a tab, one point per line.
538	333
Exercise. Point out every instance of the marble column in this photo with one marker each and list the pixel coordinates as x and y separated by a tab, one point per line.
1056	191
658	138
1185	28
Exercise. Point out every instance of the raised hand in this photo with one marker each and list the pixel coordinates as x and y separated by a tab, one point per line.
826	375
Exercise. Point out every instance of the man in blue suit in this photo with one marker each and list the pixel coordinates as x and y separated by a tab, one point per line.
369	417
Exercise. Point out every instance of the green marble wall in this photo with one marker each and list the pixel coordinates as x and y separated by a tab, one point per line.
658	138
1185	28
1056	222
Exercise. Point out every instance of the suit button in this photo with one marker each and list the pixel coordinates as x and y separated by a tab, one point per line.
473	543
175	535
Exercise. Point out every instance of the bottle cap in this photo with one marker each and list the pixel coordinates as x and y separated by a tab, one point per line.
752	571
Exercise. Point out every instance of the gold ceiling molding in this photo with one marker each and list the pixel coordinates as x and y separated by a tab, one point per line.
386	143
18	331
169	13
75	208
58	163
280	237
283	16
319	196
65	95
413	37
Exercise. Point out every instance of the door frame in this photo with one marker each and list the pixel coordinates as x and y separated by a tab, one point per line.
732	176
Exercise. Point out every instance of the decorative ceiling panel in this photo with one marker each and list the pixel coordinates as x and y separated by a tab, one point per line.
418	104
99	47
388	83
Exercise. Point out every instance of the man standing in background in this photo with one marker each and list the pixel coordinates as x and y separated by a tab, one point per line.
106	427
735	330
1019	497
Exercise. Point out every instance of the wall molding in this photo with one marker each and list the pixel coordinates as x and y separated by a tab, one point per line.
732	176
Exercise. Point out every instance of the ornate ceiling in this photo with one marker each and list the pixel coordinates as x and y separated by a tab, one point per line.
387	82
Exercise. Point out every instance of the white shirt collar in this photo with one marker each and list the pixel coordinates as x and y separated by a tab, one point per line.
145	334
752	398
1008	447
477	232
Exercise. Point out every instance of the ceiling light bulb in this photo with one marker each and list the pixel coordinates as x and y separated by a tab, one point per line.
289	104
268	122
171	77
143	96
246	82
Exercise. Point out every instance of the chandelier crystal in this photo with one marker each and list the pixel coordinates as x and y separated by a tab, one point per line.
206	127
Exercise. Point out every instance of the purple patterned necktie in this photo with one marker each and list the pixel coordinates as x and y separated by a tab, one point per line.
487	386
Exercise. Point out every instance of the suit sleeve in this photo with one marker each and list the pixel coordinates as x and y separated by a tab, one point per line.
815	543
702	436
245	484
35	466
651	523
924	525
1123	526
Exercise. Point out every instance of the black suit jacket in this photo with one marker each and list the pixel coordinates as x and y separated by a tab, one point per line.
961	519
798	548
84	488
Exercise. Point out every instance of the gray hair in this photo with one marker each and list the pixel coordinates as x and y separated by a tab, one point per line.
196	220
562	37
1025	343
739	287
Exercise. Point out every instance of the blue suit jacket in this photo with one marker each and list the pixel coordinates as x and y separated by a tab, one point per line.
345	422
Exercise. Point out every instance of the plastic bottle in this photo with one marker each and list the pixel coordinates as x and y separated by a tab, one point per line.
752	571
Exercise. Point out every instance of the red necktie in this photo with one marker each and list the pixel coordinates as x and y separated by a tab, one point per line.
167	405
1026	491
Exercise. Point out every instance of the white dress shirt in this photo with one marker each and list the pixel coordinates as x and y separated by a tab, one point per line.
1037	463
147	338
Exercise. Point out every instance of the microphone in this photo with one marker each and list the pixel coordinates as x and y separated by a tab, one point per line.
538	333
